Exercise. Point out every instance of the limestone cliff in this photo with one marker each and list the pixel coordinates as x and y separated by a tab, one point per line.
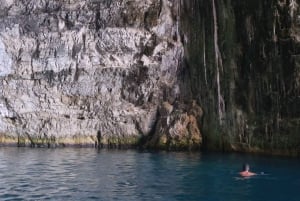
134	72
243	61
70	69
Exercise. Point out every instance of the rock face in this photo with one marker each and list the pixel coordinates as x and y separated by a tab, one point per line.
177	127
72	69
135	72
243	58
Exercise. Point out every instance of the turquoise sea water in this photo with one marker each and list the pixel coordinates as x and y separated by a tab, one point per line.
88	174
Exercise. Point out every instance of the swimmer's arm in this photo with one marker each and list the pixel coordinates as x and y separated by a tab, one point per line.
247	174
252	173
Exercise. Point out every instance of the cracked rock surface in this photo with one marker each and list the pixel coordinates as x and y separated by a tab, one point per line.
72	68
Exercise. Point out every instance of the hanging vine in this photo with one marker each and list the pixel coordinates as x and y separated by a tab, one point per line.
219	64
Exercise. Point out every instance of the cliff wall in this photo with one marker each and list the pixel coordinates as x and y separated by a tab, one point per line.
84	72
135	72
243	60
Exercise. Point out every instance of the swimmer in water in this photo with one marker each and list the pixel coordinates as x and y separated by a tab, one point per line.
246	171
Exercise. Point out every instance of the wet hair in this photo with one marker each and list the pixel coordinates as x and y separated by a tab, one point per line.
246	167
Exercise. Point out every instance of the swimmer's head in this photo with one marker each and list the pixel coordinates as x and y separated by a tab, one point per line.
246	167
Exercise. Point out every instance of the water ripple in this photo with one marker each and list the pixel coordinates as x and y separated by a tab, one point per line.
88	174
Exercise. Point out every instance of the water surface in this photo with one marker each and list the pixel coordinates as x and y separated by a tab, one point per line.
88	174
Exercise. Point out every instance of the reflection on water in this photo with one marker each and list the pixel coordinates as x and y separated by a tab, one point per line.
88	174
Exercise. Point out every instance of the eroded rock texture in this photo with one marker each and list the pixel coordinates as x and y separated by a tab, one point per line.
72	68
128	72
177	127
243	58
